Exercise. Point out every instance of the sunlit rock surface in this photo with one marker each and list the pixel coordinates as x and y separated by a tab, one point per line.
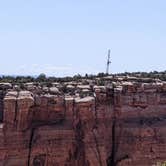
119	123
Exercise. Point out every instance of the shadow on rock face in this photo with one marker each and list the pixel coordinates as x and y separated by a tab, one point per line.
39	160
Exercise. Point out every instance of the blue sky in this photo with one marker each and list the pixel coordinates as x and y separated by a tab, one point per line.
66	37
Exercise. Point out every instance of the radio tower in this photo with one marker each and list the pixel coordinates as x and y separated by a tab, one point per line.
108	62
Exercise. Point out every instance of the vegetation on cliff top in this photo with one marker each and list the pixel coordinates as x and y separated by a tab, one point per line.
43	78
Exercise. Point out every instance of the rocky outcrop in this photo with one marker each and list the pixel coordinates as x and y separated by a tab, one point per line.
122	124
3	88
2	94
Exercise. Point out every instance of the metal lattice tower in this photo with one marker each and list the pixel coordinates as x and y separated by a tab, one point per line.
108	62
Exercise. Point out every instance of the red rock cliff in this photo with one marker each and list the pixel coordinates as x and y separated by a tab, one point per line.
123	125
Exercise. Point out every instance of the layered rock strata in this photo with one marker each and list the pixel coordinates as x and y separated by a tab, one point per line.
123	124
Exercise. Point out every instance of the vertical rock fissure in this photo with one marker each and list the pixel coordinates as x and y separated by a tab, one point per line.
111	159
78	155
80	147
30	144
16	109
94	135
65	109
97	147
2	95
96	116
73	106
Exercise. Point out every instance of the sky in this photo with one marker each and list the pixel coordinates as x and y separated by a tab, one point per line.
67	37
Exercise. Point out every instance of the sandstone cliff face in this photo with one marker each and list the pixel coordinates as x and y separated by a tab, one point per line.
120	125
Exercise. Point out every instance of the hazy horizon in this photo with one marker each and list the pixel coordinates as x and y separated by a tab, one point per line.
61	38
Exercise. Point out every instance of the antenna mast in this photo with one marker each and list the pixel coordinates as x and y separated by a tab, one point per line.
108	62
